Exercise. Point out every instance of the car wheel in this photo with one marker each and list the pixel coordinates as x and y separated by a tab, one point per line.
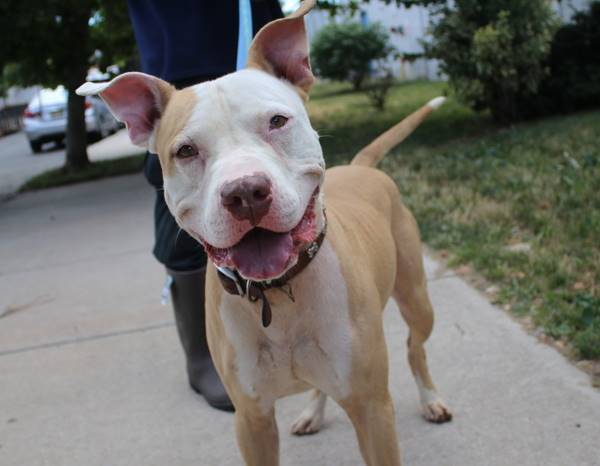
36	146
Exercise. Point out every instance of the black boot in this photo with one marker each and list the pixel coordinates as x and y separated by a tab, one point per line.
187	293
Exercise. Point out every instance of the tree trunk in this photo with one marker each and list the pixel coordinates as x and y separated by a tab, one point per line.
77	157
78	23
357	81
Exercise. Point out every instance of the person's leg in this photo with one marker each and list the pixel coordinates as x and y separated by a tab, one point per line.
185	261
187	295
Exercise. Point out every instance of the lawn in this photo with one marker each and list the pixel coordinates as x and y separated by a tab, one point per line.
94	171
519	205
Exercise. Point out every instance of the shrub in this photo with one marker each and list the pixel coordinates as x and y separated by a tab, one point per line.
573	82
343	52
378	89
493	52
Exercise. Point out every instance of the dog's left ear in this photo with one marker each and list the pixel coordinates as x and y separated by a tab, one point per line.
281	48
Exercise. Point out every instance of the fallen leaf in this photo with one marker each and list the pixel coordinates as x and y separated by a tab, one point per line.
464	270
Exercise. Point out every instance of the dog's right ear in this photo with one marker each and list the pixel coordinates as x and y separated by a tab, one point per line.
136	99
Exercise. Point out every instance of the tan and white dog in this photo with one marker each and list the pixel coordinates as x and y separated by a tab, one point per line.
244	174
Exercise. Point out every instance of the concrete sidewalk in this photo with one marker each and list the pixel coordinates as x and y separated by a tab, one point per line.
91	372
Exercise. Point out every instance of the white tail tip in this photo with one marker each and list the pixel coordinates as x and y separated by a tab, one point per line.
436	103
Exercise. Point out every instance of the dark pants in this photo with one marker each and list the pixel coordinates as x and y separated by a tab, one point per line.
173	247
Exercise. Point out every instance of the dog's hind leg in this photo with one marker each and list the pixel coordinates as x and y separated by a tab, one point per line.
410	292
311	419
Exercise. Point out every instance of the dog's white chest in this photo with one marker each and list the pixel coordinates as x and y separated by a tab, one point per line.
308	342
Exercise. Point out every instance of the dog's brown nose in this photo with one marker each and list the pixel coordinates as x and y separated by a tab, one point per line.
248	198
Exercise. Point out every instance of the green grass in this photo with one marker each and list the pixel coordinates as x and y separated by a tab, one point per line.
477	189
96	170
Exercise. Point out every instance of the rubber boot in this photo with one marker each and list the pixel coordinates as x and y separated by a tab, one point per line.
187	294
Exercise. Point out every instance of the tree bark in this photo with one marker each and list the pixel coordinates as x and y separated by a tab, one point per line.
77	156
357	81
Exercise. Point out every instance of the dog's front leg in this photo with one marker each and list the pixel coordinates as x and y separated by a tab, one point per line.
257	436
373	420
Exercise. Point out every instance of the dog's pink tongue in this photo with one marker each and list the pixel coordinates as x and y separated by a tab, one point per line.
262	254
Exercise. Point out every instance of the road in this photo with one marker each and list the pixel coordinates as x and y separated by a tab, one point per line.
18	163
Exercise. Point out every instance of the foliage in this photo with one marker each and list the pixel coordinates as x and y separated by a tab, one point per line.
38	36
344	51
493	52
378	90
573	82
409	3
49	42
112	35
334	7
351	6
9	76
477	190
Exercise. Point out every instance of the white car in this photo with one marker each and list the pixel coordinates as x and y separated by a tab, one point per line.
45	118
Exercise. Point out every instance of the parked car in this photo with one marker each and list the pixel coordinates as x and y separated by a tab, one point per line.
45	118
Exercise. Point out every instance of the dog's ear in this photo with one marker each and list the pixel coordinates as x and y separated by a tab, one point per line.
136	99
281	48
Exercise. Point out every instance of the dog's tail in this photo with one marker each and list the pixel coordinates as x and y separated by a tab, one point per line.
372	154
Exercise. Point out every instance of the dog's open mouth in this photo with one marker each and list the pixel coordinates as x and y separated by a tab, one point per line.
263	254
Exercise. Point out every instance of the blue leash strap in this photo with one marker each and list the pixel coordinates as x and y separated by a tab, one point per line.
244	33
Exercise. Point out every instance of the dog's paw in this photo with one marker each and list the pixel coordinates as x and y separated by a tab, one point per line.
437	412
307	423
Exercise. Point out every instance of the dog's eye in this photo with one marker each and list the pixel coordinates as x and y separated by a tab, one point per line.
277	121
185	152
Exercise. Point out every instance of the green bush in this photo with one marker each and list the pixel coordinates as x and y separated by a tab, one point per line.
573	82
493	52
378	89
343	52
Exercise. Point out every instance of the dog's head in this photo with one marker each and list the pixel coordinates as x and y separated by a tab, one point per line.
241	163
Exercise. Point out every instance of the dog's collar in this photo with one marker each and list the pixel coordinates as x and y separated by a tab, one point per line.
234	284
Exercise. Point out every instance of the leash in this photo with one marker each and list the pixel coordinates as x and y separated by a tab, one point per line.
244	33
235	284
